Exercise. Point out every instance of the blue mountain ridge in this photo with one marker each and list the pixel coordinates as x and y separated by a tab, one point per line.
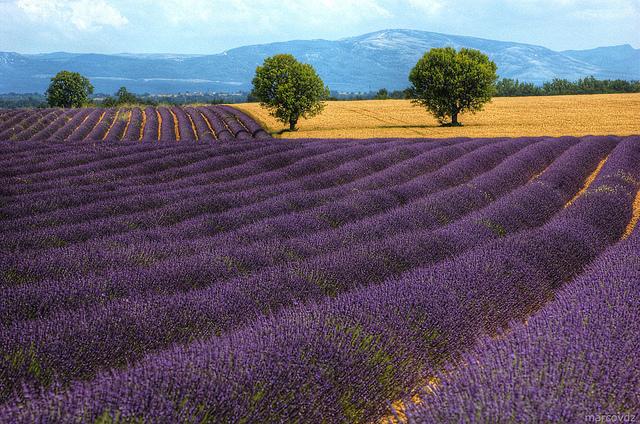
355	64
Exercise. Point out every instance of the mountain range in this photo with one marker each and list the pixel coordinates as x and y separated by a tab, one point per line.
356	64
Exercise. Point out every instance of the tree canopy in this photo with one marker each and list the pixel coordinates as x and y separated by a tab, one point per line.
69	89
289	89
122	97
449	82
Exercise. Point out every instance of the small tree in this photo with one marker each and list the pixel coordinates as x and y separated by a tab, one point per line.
109	102
289	89
382	94
125	97
448	82
69	89
122	97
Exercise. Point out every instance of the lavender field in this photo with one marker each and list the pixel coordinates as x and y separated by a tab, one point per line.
230	277
206	123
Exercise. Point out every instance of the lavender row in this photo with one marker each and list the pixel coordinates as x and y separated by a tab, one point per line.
73	150
223	133
142	164
7	114
217	163
7	125
205	132
91	175
575	359
159	124
50	162
149	125
87	126
168	125
78	148
232	124
100	129
25	154
45	120
80	250
90	164
49	130
18	127
473	163
116	126
45	174
250	124
64	133
184	124
224	160
134	130
193	191
437	182
72	171
329	209
342	359
155	322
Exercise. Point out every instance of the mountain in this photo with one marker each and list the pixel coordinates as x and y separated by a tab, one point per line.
621	61
363	63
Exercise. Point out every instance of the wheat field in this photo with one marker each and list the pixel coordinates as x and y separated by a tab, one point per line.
601	114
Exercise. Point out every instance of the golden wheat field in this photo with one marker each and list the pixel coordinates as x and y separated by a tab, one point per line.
599	114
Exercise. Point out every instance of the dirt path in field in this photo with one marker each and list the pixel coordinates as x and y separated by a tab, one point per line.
635	217
587	182
399	407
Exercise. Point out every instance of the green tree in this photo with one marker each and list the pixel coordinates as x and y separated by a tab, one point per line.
289	89
69	89
125	97
559	86
122	97
109	102
449	83
382	94
507	87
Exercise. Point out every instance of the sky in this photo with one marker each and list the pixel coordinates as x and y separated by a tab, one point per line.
213	26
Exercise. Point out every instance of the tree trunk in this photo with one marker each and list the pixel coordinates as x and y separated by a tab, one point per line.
454	118
292	124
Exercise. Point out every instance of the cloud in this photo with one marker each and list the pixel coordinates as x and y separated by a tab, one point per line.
178	12
84	15
608	11
582	9
431	7
89	14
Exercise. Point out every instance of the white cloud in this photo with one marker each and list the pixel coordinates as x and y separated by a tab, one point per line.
178	12
611	10
39	9
429	7
87	14
84	15
585	9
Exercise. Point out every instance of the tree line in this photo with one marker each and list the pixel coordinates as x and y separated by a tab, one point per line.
507	87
